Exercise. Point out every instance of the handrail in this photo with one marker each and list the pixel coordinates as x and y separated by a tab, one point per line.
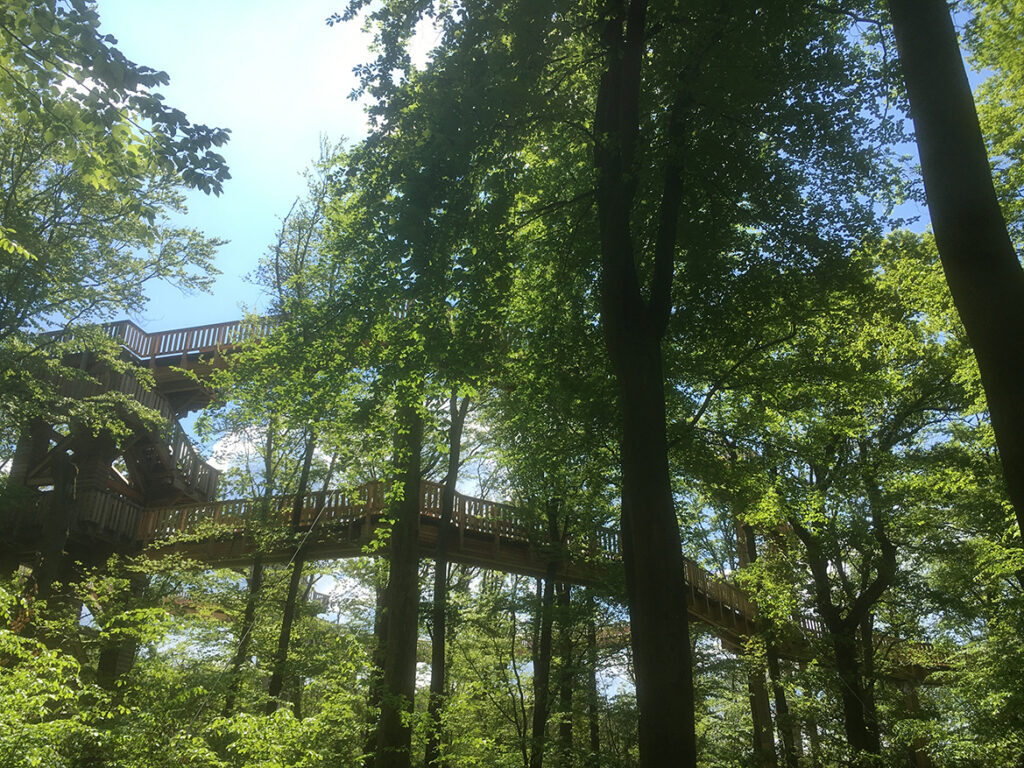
471	514
197	474
725	603
181	342
199	339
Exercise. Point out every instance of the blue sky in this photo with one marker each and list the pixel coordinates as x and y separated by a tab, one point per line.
279	78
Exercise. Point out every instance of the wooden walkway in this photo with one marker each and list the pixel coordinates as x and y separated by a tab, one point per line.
339	524
486	534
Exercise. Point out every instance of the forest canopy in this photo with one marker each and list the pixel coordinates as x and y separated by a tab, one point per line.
609	410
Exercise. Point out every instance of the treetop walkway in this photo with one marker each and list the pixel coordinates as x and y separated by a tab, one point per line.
183	343
344	523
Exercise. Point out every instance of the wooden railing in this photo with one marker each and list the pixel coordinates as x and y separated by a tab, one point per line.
110	513
726	596
196	473
474	515
108	381
336	507
182	342
326	507
713	599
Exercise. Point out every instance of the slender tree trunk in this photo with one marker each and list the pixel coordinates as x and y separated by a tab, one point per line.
814	736
255	584
761	717
288	616
867	655
298	686
376	683
394	736
439	610
593	699
783	719
760	707
245	636
565	674
981	266
542	672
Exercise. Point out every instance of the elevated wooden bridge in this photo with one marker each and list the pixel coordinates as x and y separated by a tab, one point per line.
165	504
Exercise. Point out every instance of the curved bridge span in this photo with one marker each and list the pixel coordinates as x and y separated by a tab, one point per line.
159	515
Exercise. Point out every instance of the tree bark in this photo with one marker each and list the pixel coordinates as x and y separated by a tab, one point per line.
981	266
375	686
761	718
439	610
633	328
565	674
760	707
288	616
401	602
245	637
856	722
783	720
255	584
542	672
593	699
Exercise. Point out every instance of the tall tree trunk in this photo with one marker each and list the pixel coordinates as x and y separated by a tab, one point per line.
542	672
855	717
814	736
298	686
394	737
376	682
761	718
288	616
867	655
981	266
255	584
633	328
783	719
565	674
254	587
593	699
542	640
760	707
439	609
